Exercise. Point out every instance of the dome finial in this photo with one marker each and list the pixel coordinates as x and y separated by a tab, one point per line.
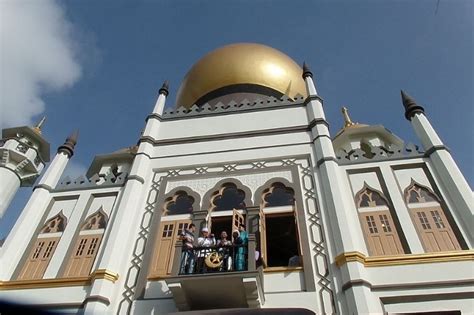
347	120
39	125
69	144
411	107
164	88
306	71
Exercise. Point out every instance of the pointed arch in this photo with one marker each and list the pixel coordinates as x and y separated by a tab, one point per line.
370	197
417	193
264	189
55	224
278	194
97	220
228	194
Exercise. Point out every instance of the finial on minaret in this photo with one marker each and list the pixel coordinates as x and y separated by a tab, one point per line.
164	88
39	125
411	107
347	120
69	144
306	71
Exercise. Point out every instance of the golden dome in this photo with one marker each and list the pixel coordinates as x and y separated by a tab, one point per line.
241	64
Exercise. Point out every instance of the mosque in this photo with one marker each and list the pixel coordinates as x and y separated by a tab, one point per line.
353	223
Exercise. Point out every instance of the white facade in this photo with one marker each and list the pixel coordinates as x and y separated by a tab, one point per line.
252	146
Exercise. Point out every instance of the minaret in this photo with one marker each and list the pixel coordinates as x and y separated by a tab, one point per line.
120	246
449	175
23	152
30	217
338	202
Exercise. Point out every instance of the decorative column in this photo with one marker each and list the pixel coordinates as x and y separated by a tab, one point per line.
120	243
448	174
338	204
25	227
23	153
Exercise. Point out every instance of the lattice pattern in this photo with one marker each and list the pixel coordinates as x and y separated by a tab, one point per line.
320	258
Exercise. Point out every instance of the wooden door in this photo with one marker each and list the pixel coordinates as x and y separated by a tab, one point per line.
165	246
434	229
380	232
83	256
39	258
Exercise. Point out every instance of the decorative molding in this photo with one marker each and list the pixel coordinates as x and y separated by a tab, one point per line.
436	148
324	160
59	282
394	260
232	107
136	177
393	152
105	274
97	298
282	269
95	181
313	98
318	121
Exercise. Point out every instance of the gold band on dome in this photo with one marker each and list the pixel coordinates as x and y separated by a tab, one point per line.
243	63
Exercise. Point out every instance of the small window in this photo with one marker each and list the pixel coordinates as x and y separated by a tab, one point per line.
417	194
371	224
55	224
423	220
369	198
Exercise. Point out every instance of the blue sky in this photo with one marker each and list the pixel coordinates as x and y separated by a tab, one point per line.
116	54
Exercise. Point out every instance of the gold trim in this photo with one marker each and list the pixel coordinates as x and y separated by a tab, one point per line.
59	282
105	274
379	261
281	269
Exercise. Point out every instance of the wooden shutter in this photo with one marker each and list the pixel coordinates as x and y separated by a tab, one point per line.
39	258
380	233
165	246
263	237
237	220
83	256
434	229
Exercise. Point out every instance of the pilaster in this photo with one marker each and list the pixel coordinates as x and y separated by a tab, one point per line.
447	172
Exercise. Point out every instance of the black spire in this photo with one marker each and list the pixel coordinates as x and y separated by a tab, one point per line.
411	107
69	144
306	71
164	88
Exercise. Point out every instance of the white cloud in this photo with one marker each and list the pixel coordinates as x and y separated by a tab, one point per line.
37	54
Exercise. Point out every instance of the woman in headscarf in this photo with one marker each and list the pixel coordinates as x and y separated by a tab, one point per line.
241	239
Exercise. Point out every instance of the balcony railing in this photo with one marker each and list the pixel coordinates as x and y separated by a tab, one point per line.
215	259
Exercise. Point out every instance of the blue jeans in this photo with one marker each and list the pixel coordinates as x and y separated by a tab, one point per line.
187	261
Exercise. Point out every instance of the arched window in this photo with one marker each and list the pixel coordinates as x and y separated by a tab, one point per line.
418	194
228	197
87	245
370	198
278	195
180	203
377	223
44	248
429	219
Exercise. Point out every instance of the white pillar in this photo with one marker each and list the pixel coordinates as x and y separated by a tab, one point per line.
450	178
120	242
9	184
339	204
23	231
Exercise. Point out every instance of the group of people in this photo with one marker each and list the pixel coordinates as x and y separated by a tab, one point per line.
229	255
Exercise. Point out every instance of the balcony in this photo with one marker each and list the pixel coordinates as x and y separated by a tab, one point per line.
216	277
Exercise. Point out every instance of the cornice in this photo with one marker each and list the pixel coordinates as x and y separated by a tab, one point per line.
395	260
59	282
